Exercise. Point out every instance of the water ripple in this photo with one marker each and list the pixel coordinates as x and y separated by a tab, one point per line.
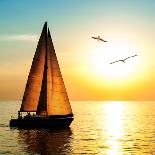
98	128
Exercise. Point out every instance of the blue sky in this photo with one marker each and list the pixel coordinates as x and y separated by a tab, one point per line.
27	16
72	24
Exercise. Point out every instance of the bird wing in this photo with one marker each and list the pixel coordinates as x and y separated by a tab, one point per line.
114	62
94	38
126	58
130	57
103	40
134	55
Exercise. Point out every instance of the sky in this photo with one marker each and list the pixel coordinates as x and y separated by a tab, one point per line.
128	27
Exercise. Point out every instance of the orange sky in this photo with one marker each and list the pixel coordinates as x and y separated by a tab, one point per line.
85	63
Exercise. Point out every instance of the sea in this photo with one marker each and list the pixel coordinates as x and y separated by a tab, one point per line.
99	128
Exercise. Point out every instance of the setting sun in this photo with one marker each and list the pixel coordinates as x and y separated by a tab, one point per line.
84	61
105	53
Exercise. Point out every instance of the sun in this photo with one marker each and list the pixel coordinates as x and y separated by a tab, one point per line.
103	54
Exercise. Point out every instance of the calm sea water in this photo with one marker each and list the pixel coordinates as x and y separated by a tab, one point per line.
110	128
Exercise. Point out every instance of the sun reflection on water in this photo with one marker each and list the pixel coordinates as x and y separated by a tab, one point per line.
114	111
99	128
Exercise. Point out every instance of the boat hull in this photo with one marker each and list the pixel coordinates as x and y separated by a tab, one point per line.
45	122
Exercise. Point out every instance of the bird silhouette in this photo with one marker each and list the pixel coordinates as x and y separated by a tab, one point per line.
123	60
99	39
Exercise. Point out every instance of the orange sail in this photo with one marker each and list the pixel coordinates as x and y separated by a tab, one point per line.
58	102
45	92
33	86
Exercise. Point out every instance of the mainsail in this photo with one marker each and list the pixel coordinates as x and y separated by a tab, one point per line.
45	92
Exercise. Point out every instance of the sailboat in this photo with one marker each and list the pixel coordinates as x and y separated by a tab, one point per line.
45	100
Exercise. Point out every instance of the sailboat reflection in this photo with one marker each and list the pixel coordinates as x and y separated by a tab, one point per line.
46	141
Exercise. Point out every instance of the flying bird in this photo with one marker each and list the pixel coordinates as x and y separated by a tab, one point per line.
99	39
123	60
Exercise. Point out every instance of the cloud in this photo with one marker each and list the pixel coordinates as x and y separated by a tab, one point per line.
19	37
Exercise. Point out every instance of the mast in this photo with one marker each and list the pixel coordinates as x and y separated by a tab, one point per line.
42	103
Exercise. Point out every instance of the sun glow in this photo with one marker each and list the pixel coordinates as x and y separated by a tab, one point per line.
114	113
103	54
